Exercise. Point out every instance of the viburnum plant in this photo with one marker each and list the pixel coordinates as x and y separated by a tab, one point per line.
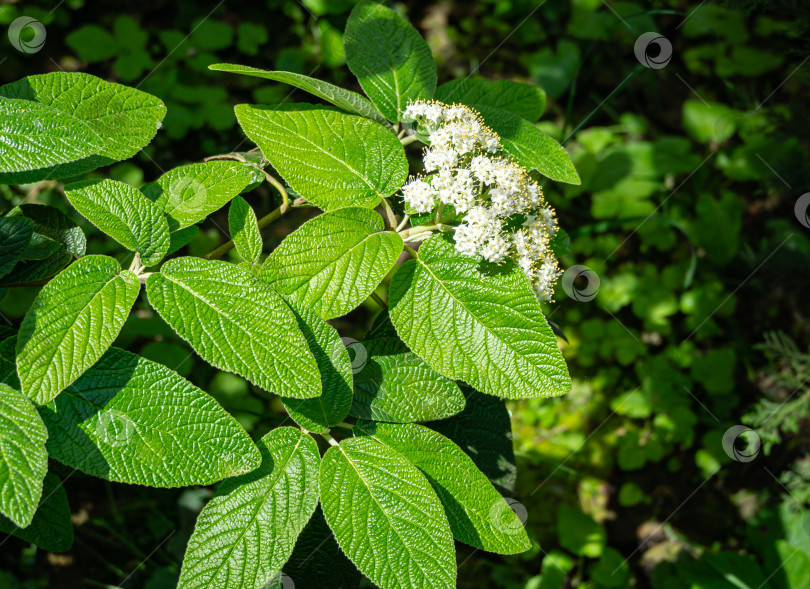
416	435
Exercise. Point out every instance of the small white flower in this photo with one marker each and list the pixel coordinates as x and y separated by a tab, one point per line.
419	195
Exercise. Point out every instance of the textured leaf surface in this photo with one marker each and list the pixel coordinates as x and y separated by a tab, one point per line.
386	516
529	146
35	136
320	413
477	513
131	420
331	158
53	223
23	460
484	431
397	385
72	321
51	528
15	234
481	326
123	213
236	324
333	262
124	118
317	560
40	247
247	531
525	101
390	58
190	193
244	228
28	270
343	99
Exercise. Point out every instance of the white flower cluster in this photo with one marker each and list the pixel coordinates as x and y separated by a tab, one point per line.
463	172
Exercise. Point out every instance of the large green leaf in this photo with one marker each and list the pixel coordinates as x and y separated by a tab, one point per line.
484	431
344	99
479	324
123	213
35	136
31	270
320	413
72	321
524	100
247	531
390	58
244	229
386	516
397	385
477	513
529	146
236	324
125	119
331	158
23	460
131	420
53	223
51	528
333	262
190	193
317	560
15	235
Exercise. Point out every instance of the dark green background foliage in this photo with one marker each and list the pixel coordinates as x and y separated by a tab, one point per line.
685	213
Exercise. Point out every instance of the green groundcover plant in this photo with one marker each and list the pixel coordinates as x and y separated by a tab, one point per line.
437	187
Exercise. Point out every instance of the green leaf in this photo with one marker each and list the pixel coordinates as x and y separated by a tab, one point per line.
53	223
236	324
344	99
131	420
72	321
123	213
244	228
529	146
331	407
23	461
579	533
317	560
40	247
386	516
390	58
51	528
331	158
247	531
484	431
32	270
333	262
396	385
15	235
181	238
523	100
477	513
37	136
125	119
190	193
8	362
479	324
